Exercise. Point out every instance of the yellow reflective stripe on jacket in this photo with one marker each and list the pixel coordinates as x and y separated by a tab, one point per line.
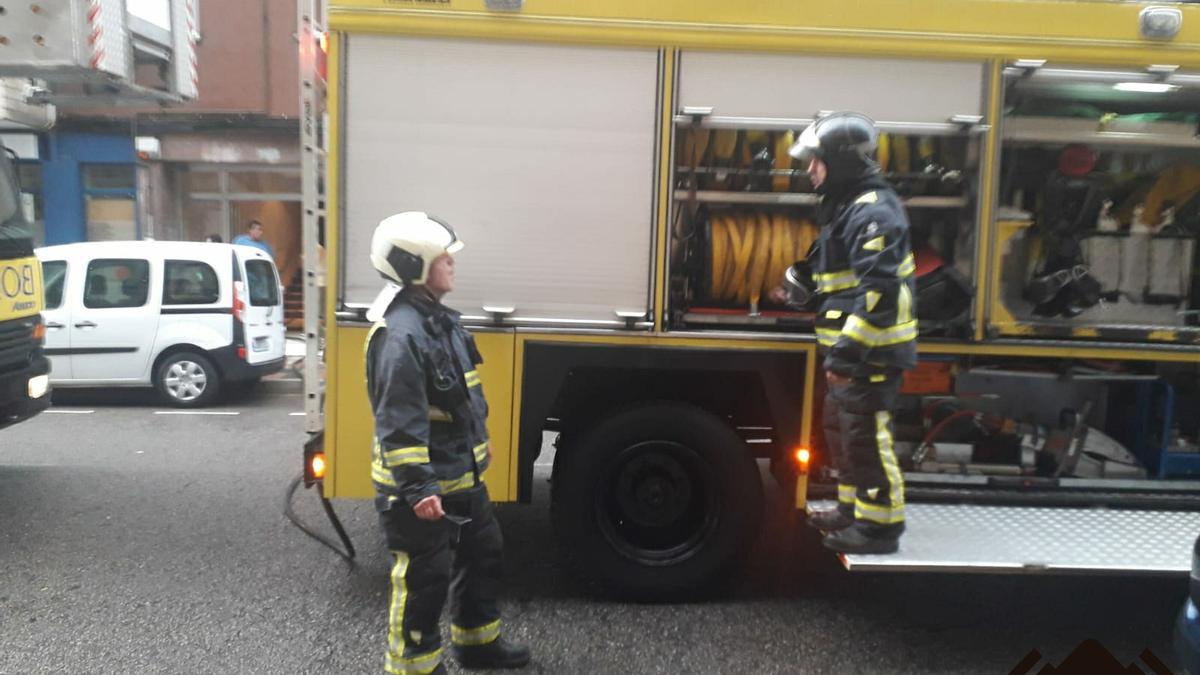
463	482
382	476
480	452
847	493
831	282
907	268
473	379
376	327
904	305
402	456
884	515
828	337
859	330
873	298
475	636
422	664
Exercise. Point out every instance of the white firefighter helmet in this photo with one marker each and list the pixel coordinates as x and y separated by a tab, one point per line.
405	245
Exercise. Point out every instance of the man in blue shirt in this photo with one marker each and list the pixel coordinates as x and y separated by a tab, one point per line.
254	238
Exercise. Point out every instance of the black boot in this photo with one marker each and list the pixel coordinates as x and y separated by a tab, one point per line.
859	538
830	520
498	653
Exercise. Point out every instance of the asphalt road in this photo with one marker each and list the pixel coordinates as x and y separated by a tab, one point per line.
136	542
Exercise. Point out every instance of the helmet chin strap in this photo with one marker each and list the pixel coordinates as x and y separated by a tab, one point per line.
423	291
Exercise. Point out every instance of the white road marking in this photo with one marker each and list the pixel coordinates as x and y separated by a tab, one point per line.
295	414
195	412
60	411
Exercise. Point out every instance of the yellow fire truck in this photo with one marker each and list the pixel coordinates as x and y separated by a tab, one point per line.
24	368
619	172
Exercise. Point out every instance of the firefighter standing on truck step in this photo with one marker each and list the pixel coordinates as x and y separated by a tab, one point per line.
430	452
866	326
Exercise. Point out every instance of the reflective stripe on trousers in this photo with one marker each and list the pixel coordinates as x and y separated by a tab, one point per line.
469	637
892	512
399	659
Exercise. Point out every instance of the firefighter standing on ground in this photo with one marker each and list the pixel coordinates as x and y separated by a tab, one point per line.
430	453
867	328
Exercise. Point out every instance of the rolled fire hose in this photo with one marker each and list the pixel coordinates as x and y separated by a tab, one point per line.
751	253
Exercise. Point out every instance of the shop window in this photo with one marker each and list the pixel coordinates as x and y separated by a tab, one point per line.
54	277
190	282
110	201
202	181
115	283
108	177
111	218
30	175
203	217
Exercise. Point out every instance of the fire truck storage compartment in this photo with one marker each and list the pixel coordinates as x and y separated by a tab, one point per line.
744	210
541	156
1049	419
1099	205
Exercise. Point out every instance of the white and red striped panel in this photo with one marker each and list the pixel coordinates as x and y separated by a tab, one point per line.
108	39
184	30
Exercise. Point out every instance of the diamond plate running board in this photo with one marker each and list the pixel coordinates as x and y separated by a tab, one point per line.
1034	540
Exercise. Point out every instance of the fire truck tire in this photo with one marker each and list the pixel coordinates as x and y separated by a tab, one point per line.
657	501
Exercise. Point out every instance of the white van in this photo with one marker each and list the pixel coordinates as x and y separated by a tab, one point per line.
184	317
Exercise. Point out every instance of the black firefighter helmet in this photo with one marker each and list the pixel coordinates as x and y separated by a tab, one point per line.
845	141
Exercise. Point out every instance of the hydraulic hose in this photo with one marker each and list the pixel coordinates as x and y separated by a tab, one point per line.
347	552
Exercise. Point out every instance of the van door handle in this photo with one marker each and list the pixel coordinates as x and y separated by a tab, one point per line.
85	324
54	324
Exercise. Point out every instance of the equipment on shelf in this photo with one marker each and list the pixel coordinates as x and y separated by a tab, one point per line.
944	295
960	440
1071	203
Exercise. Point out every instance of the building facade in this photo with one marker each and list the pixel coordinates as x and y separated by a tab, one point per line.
183	172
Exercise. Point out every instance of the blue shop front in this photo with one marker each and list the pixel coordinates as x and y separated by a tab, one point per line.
78	186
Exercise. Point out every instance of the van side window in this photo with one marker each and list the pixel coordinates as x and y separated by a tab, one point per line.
264	285
190	282
116	282
54	277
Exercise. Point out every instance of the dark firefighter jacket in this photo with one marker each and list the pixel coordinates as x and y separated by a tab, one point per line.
865	273
427	398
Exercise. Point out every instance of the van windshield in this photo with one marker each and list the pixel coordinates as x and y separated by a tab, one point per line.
262	283
16	237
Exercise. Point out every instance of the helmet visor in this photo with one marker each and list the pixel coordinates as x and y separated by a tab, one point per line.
807	146
452	243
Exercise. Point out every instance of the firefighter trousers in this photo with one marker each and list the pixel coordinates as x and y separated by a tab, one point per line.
434	559
857	421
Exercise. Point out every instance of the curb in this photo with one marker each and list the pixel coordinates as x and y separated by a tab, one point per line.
283	385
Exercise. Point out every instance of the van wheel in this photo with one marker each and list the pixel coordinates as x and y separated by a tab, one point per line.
187	380
657	502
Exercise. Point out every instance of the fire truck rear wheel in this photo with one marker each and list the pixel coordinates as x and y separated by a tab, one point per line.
657	501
